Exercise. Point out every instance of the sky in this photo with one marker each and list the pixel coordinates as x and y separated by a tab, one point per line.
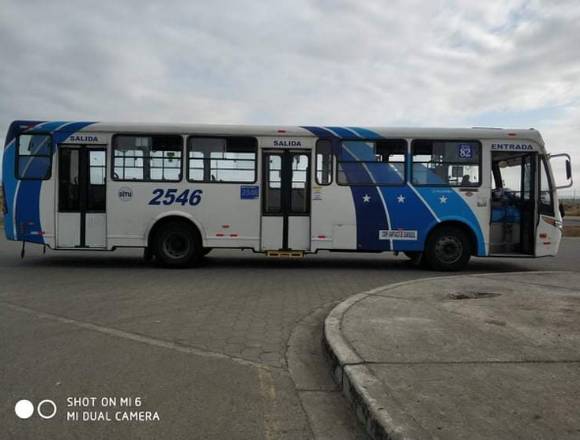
500	63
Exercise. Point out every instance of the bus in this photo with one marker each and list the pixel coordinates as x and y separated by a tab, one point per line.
437	195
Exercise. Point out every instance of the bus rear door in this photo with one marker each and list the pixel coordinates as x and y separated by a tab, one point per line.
81	215
286	200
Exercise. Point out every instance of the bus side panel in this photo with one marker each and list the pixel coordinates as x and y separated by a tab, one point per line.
222	216
548	234
229	218
333	218
548	237
47	205
480	201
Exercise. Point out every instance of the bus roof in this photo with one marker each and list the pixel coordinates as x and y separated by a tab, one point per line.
273	130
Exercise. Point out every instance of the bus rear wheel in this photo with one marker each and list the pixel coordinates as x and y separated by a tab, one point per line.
448	249
177	245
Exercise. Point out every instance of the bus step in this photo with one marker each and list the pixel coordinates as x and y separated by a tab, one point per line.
287	254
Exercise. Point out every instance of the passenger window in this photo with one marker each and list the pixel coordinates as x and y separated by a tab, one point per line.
154	158
453	163
323	163
225	160
372	163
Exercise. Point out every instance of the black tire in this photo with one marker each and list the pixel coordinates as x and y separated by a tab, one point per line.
148	254
206	251
448	249
177	245
415	257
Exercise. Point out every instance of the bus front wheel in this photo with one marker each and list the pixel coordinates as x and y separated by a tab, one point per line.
177	245
448	249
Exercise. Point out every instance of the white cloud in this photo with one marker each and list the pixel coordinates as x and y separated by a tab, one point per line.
305	62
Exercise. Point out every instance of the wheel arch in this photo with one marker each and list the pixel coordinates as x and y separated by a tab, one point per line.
173	216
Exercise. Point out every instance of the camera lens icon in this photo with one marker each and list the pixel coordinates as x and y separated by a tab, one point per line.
24	409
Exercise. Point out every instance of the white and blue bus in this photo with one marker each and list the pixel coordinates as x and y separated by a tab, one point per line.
179	191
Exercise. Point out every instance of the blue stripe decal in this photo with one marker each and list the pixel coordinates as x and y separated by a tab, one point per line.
9	185
46	127
370	215
375	214
9	181
343	133
448	205
419	213
408	207
26	224
370	212
366	133
27	211
406	210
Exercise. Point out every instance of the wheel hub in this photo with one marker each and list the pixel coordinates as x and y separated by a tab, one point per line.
449	249
176	245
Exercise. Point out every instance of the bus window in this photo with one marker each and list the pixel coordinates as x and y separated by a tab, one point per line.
69	180
273	184
231	160
371	163
154	158
300	170
323	163
546	202
454	163
34	160
96	200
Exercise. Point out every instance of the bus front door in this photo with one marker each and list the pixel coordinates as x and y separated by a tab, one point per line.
81	216
513	203
285	200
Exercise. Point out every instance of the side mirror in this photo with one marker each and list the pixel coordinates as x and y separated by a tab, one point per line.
558	172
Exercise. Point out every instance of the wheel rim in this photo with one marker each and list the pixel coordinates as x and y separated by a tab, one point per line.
176	246
449	249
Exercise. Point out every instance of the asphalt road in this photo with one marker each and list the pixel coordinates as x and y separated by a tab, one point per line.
228	350
572	221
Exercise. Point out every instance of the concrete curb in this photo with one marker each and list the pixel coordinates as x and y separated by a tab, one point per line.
357	381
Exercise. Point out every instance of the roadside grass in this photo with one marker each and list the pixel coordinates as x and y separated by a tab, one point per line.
571	208
571	231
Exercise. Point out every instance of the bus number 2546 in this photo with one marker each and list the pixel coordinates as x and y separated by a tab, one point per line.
169	197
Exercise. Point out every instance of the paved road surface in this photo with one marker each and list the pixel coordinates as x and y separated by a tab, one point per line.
205	348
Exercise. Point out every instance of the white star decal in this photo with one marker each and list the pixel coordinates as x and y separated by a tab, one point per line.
443	200
366	198
401	198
